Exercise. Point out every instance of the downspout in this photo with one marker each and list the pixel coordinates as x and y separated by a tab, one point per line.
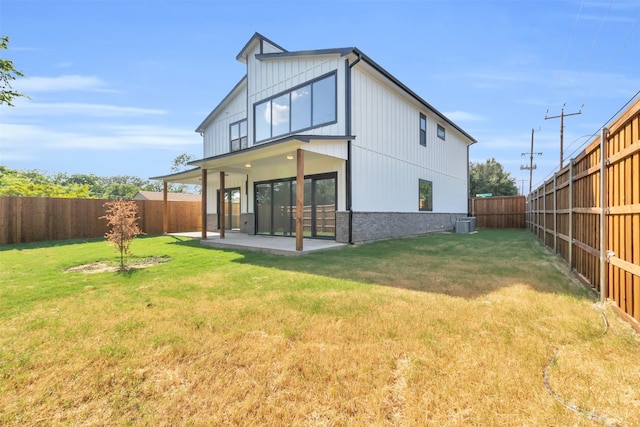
348	128
473	204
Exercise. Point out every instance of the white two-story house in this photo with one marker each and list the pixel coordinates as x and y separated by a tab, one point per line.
373	159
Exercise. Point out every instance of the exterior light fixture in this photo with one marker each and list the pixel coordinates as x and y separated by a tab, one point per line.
247	165
289	156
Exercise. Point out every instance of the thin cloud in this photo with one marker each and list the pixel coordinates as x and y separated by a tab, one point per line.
25	140
27	108
61	84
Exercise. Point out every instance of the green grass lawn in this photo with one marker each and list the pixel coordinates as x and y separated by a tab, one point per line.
443	329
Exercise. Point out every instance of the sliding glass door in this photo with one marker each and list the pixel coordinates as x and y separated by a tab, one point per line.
276	207
231	209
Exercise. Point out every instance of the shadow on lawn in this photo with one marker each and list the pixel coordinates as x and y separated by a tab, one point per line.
458	265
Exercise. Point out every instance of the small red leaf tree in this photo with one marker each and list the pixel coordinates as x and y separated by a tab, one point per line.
122	220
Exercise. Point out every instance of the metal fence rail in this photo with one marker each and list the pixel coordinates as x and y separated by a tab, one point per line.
589	213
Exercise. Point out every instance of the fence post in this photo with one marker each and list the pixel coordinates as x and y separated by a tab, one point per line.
570	255
537	220
544	214
603	212
555	212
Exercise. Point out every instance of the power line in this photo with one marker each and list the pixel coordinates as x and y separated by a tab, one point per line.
634	96
593	43
566	52
562	116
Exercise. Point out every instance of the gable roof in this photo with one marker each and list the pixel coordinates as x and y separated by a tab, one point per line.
256	38
171	197
360	56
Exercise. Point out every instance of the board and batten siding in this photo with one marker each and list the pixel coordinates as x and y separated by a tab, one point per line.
387	158
216	134
269	77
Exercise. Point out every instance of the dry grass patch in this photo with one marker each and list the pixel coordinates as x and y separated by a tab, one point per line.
261	340
111	266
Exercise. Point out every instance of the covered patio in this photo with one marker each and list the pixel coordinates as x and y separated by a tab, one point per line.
268	161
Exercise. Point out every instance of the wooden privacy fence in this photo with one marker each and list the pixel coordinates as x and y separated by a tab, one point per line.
499	212
324	216
589	213
33	219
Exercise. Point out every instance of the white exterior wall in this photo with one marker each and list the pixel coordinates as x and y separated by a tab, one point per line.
387	158
269	77
216	135
232	181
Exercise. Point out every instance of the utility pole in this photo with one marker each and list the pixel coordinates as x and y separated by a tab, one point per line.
531	166
562	116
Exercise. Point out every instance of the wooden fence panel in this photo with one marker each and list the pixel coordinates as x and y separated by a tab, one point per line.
579	208
499	211
33	219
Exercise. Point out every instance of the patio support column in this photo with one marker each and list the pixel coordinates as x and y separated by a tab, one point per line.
299	199
222	207
204	204
165	209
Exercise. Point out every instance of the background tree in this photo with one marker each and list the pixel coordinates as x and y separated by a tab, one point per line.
7	74
181	163
120	191
35	184
96	184
490	177
122	218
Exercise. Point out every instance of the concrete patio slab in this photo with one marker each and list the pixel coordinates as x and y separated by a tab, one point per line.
270	244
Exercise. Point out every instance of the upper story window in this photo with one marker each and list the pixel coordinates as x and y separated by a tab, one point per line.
441	132
304	107
423	130
238	135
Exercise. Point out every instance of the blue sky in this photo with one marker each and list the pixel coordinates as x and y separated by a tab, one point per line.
118	87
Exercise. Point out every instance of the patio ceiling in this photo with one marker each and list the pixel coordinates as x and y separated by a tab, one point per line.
259	156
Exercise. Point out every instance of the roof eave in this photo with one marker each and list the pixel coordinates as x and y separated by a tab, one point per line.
392	78
177	175
317	52
242	55
216	110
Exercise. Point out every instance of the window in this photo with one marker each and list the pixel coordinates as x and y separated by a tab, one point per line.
301	108
324	100
423	130
441	132
425	195
238	135
280	115
262	121
304	107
